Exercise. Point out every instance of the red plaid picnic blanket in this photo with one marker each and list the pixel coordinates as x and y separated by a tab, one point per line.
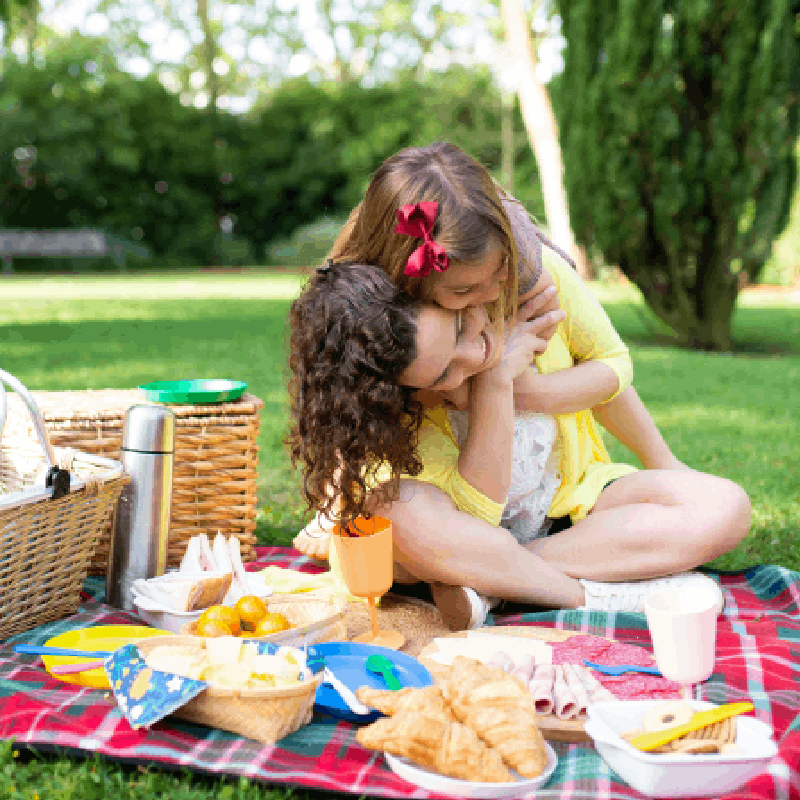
758	658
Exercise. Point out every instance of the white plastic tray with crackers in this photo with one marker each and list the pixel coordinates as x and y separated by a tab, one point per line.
552	665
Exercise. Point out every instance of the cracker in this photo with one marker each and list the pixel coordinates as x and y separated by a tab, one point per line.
694	746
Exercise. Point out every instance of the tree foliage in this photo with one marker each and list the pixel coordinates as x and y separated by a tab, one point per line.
83	144
9	9
678	120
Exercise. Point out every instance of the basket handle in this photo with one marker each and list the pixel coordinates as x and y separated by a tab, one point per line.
55	476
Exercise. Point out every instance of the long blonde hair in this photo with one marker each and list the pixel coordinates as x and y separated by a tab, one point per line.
470	221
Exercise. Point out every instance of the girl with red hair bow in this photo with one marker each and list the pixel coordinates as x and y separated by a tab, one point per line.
447	234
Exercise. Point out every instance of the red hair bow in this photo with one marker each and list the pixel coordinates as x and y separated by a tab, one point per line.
417	220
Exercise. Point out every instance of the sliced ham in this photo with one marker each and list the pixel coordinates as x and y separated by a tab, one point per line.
541	688
579	691
566	706
597	692
524	668
501	660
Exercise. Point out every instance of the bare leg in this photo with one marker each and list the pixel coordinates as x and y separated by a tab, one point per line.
651	524
434	542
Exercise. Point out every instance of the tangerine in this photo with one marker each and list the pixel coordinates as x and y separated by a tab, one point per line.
213	628
251	609
271	622
224	614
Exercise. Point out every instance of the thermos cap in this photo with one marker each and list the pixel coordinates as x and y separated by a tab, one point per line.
149	429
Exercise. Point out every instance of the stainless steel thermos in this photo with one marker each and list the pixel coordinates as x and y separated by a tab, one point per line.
140	537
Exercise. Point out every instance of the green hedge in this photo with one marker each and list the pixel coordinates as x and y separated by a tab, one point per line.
84	144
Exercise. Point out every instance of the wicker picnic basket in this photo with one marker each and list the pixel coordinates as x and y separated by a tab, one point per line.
54	503
265	715
216	459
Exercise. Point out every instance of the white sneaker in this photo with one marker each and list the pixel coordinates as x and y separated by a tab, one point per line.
462	608
631	596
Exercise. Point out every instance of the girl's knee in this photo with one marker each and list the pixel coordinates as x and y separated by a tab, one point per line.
739	513
727	509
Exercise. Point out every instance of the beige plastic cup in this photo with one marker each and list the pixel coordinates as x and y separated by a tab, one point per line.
365	562
683	628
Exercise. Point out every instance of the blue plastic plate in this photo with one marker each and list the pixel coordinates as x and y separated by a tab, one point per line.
348	662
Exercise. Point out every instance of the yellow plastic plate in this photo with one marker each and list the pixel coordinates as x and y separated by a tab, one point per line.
100	637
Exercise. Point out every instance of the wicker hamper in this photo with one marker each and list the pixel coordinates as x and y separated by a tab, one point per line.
265	715
216	458
47	535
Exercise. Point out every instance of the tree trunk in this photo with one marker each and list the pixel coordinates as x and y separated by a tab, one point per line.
212	85
540	122
30	15
706	328
507	140
209	54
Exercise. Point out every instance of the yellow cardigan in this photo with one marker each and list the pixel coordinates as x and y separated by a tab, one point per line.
585	334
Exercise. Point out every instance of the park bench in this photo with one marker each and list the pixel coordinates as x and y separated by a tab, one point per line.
85	243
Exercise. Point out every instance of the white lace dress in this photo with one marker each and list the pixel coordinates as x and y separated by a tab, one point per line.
534	472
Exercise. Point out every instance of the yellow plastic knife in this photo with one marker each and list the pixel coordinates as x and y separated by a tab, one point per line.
649	741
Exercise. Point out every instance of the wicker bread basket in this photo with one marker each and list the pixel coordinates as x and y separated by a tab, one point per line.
265	715
46	540
312	621
216	459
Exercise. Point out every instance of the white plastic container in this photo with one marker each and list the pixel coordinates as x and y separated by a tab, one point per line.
163	617
663	775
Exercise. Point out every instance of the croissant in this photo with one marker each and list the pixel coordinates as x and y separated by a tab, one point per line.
437	743
500	709
471	682
427	699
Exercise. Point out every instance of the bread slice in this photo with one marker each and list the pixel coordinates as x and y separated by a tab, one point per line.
181	591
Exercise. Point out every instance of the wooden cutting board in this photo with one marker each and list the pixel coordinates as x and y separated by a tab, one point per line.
553	728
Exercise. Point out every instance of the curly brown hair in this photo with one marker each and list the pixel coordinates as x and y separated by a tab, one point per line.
353	426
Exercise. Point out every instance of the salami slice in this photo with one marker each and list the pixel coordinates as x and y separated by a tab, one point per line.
640	687
620	653
577	648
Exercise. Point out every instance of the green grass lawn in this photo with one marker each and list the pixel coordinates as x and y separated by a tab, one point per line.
735	415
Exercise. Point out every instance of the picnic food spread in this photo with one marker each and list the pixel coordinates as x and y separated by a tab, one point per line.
499	692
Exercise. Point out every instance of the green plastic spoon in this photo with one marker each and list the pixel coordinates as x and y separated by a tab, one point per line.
383	666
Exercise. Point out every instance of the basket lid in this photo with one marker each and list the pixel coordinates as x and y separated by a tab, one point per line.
149	429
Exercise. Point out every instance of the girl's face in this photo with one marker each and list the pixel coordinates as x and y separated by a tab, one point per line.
464	285
452	346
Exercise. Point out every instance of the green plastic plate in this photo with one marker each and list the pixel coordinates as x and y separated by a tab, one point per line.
207	391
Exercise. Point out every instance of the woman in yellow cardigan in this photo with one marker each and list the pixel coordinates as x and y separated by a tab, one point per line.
614	523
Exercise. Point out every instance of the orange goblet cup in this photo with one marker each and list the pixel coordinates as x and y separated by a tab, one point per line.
365	555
